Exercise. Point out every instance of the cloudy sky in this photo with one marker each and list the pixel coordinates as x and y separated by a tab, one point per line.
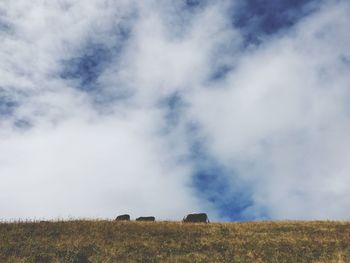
235	108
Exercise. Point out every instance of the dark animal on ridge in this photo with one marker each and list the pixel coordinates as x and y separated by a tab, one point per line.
146	218
123	218
196	218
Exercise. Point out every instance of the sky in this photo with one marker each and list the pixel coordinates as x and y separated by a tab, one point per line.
239	109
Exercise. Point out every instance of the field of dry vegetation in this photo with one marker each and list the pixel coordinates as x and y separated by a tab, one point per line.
111	241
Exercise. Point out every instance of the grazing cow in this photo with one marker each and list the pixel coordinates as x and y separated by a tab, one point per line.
123	218
196	218
146	218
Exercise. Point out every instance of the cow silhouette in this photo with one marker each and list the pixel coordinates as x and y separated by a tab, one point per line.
146	218
123	218
196	218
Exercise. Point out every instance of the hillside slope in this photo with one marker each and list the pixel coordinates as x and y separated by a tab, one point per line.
111	241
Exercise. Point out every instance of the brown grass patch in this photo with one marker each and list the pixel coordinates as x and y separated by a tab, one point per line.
112	241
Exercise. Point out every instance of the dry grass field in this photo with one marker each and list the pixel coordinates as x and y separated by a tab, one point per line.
111	241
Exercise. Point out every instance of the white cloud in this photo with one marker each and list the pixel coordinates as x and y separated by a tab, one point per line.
74	161
282	117
279	119
100	168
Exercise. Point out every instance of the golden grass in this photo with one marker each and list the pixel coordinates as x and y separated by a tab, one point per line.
112	241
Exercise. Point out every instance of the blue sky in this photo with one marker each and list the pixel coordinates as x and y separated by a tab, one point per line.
259	17
234	108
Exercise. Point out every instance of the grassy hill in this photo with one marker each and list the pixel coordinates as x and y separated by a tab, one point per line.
111	241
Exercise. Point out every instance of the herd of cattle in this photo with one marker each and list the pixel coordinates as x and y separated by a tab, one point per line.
190	218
